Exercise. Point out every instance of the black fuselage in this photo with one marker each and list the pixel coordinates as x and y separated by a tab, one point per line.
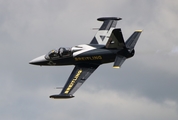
99	55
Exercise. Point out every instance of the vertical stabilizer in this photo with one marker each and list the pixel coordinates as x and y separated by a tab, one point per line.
128	51
116	40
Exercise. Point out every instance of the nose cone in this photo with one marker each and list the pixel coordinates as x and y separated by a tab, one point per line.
39	61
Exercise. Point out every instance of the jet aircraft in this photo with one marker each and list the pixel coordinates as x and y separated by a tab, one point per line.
107	46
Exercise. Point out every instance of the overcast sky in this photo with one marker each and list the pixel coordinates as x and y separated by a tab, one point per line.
144	88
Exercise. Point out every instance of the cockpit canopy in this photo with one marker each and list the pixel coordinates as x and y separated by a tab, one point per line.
60	53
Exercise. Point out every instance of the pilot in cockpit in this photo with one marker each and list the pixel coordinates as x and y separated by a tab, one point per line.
61	52
53	53
64	52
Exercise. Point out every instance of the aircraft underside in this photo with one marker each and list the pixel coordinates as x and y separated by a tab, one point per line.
107	46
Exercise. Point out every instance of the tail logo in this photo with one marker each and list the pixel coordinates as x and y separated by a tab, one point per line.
101	36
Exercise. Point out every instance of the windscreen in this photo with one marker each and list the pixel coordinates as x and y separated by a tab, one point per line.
62	52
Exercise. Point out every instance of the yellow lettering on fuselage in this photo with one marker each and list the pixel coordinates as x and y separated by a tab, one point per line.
88	58
73	81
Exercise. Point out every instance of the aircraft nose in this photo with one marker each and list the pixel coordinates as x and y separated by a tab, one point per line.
38	61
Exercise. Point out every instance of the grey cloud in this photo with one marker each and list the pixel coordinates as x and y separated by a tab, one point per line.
31	28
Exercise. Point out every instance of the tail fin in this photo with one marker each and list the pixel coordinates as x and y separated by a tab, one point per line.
116	40
131	42
128	50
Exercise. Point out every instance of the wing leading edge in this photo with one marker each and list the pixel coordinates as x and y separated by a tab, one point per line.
78	76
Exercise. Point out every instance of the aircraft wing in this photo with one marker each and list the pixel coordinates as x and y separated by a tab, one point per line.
109	23
78	76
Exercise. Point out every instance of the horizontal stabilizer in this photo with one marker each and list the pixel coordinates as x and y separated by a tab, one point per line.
131	42
119	60
61	96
